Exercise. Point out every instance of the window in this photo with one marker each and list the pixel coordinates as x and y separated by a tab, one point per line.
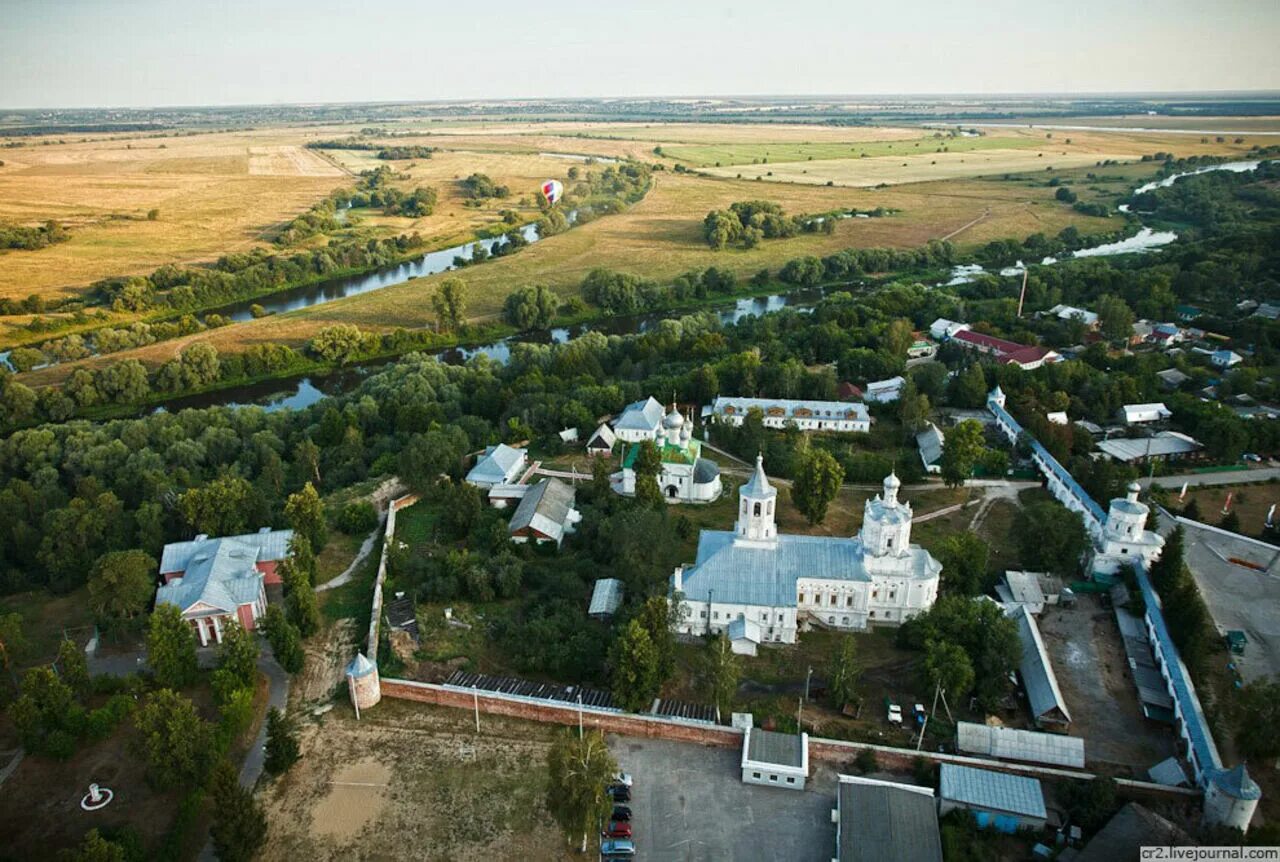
844	621
835	600
715	615
831	621
791	779
779	617
773	778
872	615
704	615
875	594
755	775
764	616
757	509
848	602
890	545
893	594
801	601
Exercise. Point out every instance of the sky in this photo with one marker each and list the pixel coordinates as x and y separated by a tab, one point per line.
143	53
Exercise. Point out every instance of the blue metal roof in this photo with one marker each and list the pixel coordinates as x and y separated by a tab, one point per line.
495	466
993	791
1059	472
1236	782
1197	727
1037	671
753	575
221	573
640	416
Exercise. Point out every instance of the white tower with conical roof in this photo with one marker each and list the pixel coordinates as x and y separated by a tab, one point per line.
756	500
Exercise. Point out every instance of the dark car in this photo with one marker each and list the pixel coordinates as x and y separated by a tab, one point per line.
620	792
618	829
621	813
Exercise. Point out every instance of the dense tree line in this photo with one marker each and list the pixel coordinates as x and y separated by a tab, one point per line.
31	238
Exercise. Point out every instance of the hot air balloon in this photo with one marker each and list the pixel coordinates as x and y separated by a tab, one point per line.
552	190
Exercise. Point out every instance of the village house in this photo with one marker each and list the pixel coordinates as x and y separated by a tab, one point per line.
639	421
1005	352
805	415
787	583
1143	414
885	391
215	581
498	465
545	514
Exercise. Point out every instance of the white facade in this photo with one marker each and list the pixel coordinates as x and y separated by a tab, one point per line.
848	417
775	759
1142	414
885	391
1124	539
785	583
639	421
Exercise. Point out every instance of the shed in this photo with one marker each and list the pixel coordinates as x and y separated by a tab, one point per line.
1172	378
498	465
569	435
775	759
883	821
930	441
606	596
744	636
1048	707
1141	414
601	441
1168	772
1006	743
997	799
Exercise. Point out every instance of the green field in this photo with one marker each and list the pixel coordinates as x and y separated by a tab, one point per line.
744	154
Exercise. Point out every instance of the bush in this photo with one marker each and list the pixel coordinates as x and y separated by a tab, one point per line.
357	518
866	761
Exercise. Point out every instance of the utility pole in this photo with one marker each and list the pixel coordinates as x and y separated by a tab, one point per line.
808	677
475	697
579	715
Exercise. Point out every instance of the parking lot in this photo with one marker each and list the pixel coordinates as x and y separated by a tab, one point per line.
1239	597
1088	658
689	804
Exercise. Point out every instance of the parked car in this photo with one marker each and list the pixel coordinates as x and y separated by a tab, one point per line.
919	713
620	792
618	829
618	847
622	778
895	714
1250	456
621	813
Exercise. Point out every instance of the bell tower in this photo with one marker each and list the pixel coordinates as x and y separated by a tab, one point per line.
756	501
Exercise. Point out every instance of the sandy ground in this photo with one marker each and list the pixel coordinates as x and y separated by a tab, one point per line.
326	659
412	782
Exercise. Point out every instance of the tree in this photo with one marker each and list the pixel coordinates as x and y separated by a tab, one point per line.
339	343
450	303
898	338
1115	318
579	769
530	307
175	742
238	655
285	640
846	673
299	597
722	672
171	647
601	486
73	667
1258	726
46	715
947	667
282	742
1050	538
305	512
13	643
239	826
913	407
120	588
964	563
817	482
94	848
968	388
660	618
223	507
961	449
636	675
647	466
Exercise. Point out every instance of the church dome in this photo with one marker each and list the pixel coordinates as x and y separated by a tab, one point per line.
673	420
892	481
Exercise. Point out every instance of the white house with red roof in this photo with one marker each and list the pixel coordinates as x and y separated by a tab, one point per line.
1025	356
215	581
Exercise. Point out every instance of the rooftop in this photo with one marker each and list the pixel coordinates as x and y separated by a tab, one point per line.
1131	829
1037	671
1031	746
496	464
640	416
606	596
881	821
270	545
545	507
782	749
992	791
792	408
1161	445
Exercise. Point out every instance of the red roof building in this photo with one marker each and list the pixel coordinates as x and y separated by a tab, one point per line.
1006	352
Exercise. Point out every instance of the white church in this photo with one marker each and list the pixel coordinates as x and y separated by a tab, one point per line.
783	584
686	476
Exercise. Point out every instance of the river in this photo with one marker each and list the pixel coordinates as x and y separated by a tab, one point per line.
292	393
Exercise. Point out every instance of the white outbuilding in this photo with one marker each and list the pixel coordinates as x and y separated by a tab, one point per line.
775	759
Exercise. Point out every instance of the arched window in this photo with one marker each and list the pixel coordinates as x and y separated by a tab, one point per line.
757	510
770	507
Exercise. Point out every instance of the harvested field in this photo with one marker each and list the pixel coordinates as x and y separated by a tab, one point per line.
289	161
773	153
409	781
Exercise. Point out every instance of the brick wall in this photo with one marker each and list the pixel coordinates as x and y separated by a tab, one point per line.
626	724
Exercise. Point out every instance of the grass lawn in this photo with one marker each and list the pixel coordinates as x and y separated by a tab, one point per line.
417	524
47	618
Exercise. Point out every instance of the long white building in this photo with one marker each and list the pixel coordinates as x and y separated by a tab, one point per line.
785	583
805	415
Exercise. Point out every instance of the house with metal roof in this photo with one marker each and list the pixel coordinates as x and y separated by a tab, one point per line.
997	799
1070	312
1029	746
640	420
1225	358
606	597
787	583
930	442
1161	446
215	581
1141	414
1172	378
843	416
499	465
884	821
744	636
1048	707
885	391
545	514
775	759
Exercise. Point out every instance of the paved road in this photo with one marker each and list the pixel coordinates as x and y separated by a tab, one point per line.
1232	477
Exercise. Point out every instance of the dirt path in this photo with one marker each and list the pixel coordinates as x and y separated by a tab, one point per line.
967	225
